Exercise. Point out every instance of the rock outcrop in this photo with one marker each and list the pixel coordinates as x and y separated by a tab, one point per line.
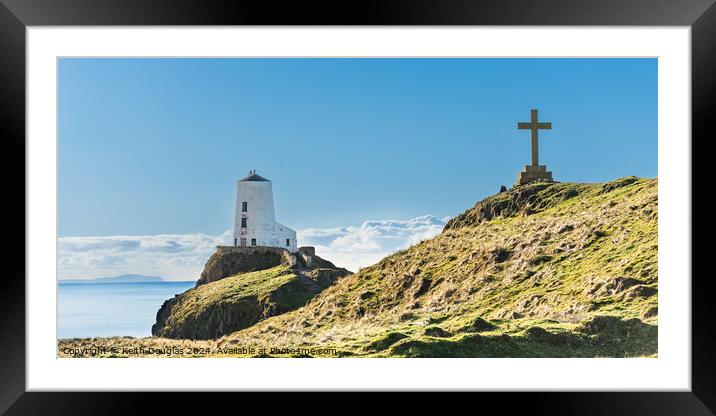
529	199
229	261
241	286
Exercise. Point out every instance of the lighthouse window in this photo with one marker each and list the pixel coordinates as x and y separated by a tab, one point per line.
288	242
253	241
244	206
243	223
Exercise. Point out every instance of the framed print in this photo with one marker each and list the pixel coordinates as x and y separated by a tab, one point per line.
412	197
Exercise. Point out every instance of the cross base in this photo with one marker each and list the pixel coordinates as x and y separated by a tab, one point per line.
532	173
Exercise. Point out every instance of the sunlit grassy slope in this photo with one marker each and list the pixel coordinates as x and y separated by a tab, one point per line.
207	311
543	270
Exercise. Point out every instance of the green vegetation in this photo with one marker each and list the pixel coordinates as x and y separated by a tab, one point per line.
543	270
240	287
233	303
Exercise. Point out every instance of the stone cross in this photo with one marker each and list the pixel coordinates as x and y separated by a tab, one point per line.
535	126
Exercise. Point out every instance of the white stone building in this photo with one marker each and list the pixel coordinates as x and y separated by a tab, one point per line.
255	222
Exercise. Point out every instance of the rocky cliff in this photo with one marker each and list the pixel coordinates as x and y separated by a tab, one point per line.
242	286
229	261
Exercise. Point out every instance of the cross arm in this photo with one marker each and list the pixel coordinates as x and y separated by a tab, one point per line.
529	126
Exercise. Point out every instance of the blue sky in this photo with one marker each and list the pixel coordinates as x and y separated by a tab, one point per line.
154	146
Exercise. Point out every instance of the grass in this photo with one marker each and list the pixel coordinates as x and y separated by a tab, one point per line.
543	270
234	303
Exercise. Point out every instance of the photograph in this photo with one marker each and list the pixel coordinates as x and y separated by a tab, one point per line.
501	199
357	207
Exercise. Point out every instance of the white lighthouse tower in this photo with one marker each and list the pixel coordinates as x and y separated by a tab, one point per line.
255	222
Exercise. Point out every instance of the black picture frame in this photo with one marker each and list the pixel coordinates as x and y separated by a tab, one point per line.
16	15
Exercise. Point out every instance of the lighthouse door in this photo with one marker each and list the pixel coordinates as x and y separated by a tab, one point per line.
243	242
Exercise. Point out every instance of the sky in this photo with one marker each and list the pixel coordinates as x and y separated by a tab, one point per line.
366	155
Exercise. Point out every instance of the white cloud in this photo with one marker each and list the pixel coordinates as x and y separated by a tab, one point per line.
356	247
182	256
172	256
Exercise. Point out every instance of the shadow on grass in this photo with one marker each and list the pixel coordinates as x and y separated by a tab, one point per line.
601	336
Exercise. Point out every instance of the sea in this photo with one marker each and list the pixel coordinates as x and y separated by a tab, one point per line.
87	310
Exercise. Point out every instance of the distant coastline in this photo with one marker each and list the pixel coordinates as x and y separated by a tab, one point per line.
124	278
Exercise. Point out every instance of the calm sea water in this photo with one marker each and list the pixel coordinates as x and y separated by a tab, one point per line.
112	309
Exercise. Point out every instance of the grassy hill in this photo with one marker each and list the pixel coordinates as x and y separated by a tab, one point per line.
556	270
238	302
213	309
542	270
